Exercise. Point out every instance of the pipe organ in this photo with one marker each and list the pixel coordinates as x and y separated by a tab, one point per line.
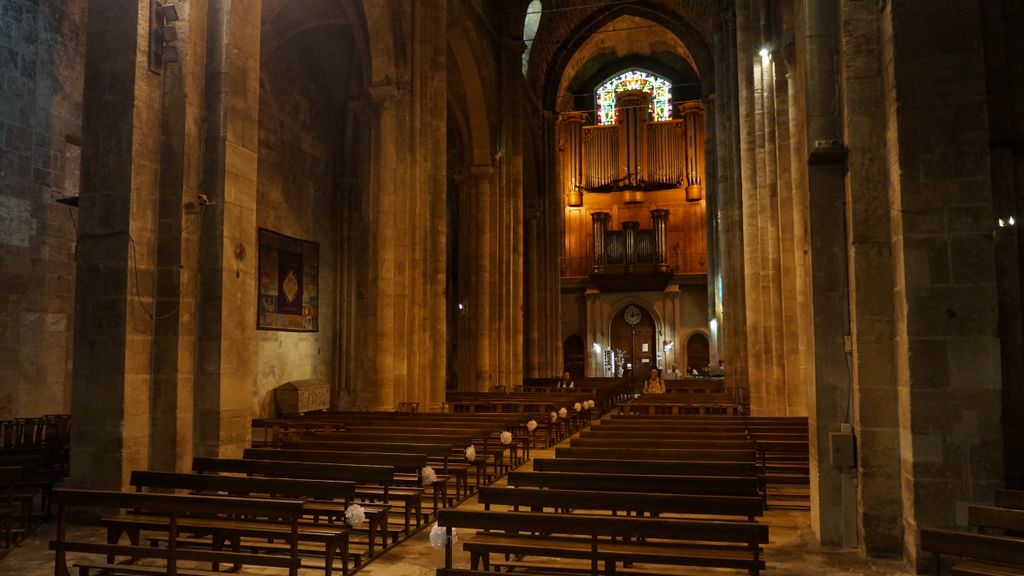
613	176
633	155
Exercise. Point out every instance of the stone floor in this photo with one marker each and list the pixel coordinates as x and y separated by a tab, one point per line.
792	552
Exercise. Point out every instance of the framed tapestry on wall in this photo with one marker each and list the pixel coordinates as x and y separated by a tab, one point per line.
288	283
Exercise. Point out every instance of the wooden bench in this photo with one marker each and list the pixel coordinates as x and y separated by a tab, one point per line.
457	444
373	483
980	554
408	467
736	455
175	514
608	540
1008	520
708	485
438	455
536	499
1010	499
323	498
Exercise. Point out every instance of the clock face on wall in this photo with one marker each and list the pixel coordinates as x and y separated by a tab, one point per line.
632	315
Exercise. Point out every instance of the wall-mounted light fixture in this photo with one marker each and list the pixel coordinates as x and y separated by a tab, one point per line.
162	35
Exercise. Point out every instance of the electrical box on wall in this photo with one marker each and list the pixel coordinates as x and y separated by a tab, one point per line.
842	451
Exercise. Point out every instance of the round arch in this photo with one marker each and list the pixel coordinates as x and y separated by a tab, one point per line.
669	19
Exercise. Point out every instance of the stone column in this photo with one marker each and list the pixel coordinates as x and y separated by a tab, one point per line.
480	305
673	328
177	250
594	333
945	295
226	367
875	398
727	186
747	69
1004	55
427	355
111	378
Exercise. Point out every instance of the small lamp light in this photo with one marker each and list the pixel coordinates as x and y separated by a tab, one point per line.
169	12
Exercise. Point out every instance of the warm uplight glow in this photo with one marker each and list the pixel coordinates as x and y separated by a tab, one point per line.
764	53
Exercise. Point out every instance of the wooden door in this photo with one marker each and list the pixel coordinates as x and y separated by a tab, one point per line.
698	353
633	332
572	356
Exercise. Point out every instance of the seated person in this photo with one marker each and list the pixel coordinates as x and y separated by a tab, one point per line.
566	381
654	383
673	373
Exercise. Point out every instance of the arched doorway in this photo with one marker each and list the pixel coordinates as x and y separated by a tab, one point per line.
698	353
633	333
572	356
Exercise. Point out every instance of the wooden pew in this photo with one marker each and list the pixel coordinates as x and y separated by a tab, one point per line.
224	518
710	485
485	440
373	482
646	467
747	507
494	423
1008	520
980	554
439	455
327	498
1010	499
698	454
408	467
608	540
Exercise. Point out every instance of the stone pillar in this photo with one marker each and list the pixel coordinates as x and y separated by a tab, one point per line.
172	402
727	186
875	399
480	305
1004	54
945	296
748	201
226	366
110	433
426	357
820	198
673	328
595	334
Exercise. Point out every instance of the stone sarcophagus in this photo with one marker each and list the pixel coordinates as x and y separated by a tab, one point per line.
301	396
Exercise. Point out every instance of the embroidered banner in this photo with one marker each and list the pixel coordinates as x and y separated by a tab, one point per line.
289	276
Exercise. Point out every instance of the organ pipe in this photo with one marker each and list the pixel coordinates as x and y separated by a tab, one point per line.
693	117
635	154
571	147
600	226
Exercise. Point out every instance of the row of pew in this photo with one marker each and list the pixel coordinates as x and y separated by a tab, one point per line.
327	491
994	548
631	494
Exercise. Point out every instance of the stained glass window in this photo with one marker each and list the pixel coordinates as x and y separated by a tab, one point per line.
659	88
530	30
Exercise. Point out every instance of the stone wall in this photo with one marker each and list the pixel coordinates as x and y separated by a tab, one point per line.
42	46
679	312
296	196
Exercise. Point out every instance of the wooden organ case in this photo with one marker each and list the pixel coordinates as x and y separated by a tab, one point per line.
635	211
